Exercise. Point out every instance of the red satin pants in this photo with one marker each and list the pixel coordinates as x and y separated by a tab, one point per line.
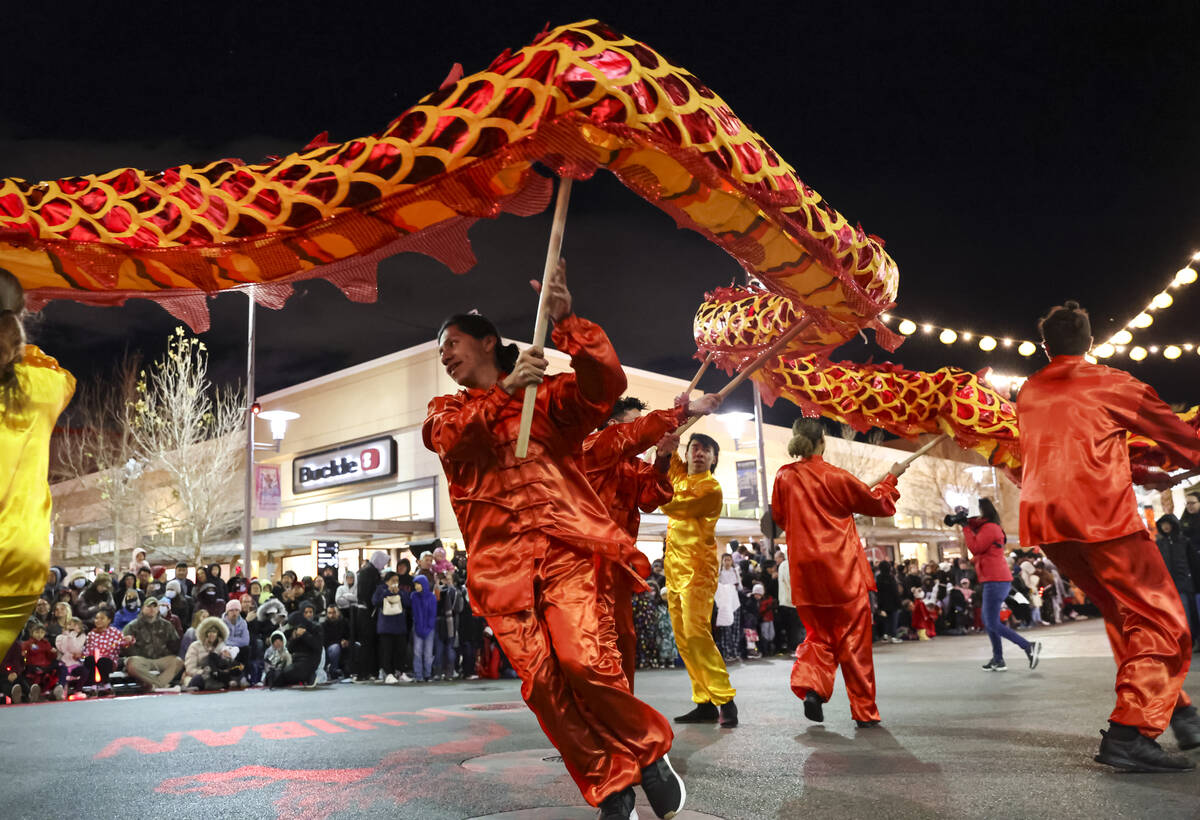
1128	581
615	588
572	679
837	636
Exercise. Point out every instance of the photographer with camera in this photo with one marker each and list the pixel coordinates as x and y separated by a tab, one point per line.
985	539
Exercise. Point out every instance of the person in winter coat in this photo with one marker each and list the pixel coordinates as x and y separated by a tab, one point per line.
214	578
165	612
304	644
1029	577
129	581
368	580
54	582
131	605
335	631
239	630
277	658
424	608
887	596
181	603
1173	545
154	660
209	664
347	595
97	594
102	649
70	643
445	640
727	633
391	628
74	584
985	541
1189	522
814	503
41	664
208	600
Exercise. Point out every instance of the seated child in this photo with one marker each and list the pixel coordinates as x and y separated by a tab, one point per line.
41	664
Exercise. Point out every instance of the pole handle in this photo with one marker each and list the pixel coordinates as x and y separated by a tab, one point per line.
553	251
925	448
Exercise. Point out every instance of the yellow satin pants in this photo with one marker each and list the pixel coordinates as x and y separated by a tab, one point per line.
691	618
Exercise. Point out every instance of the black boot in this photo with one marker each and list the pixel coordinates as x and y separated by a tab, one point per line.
812	707
866	724
703	713
1185	723
729	717
1131	751
664	788
619	806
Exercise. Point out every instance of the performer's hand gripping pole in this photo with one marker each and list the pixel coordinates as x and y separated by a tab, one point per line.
925	448
764	357
539	330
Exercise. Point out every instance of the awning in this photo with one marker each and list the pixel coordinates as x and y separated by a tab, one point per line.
301	536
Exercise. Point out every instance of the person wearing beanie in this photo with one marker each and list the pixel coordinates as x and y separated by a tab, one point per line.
814	503
534	527
239	630
1077	503
628	487
692	570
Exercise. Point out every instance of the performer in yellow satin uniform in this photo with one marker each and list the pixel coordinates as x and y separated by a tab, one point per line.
691	565
34	390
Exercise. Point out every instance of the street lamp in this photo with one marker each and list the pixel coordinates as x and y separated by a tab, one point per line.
278	420
735	424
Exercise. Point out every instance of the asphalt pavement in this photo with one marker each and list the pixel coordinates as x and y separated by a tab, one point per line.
956	742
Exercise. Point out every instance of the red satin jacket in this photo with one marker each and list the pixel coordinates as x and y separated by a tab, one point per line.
1075	478
626	485
508	509
815	502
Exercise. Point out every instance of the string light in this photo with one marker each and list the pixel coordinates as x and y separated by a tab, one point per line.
908	327
966	336
1027	349
987	344
1138	353
1172	352
927	328
1162	301
947	337
1142	321
1121	337
1186	276
1104	351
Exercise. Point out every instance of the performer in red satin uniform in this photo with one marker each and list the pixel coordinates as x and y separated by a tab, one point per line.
532	529
627	487
1077	502
814	503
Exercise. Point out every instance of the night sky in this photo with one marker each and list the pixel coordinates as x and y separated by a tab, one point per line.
1011	156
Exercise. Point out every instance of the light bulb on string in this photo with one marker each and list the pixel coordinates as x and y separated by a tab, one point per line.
1172	352
1104	351
1008	342
987	344
947	337
1188	347
1138	353
966	335
1153	348
908	327
1089	357
927	328
1121	337
886	317
1185	276
1142	321
1162	301
1027	349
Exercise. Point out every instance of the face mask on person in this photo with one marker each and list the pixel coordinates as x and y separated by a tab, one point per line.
80	583
170	593
131	605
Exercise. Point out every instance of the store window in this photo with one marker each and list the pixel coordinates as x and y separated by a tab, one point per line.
308	514
359	508
302	564
422	503
392	505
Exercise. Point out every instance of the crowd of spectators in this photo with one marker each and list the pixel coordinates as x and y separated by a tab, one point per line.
179	630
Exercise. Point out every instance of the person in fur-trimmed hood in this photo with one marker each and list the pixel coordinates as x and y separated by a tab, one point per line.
208	658
97	594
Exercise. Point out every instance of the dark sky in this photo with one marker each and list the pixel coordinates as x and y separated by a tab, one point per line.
1011	155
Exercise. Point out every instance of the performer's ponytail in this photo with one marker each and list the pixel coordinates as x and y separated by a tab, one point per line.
12	342
807	436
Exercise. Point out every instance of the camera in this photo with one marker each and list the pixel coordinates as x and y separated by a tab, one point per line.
958	518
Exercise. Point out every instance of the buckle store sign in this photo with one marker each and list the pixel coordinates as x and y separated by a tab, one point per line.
345	464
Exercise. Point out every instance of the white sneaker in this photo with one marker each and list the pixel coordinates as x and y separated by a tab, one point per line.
390	679
167	690
404	678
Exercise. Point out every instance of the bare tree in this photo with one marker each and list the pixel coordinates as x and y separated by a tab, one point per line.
937	485
188	428
99	450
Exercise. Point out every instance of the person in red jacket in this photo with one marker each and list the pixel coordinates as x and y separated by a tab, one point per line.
1077	502
532	528
627	486
814	503
985	539
41	664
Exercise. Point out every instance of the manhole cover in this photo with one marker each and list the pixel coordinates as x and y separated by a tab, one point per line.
503	706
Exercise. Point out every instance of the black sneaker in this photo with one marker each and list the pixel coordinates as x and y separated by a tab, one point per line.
1033	653
812	707
729	717
703	713
1185	723
995	666
866	724
1141	754
664	788
619	806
